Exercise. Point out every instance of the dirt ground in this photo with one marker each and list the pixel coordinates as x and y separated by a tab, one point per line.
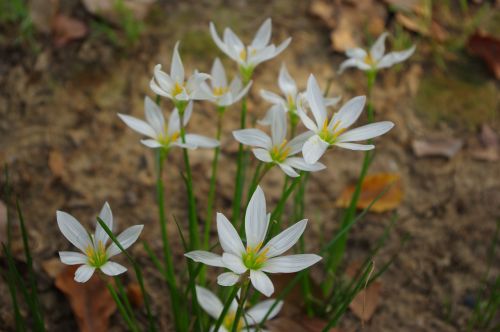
67	150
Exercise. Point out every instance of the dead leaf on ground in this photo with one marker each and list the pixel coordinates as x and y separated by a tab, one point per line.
372	186
366	302
66	29
490	146
53	267
109	10
134	294
56	163
91	302
446	147
488	49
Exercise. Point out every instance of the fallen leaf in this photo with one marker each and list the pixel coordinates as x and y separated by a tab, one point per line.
91	302
53	267
134	294
372	186
488	137
366	302
56	163
488	49
437	147
110	10
489	150
66	29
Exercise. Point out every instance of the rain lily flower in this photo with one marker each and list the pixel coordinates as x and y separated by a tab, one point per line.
255	259
175	86
213	306
95	252
248	57
276	149
223	94
375	59
290	96
162	135
334	132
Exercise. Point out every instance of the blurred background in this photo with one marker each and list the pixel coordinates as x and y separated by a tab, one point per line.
67	67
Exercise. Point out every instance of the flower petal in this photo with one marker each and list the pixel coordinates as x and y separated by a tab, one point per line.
278	125
176	67
300	163
201	141
354	62
288	170
261	282
356	52
113	269
154	116
257	313
72	258
273	98
84	273
281	47
228	236
151	143
126	239
73	230
227	279
290	264
315	99
107	216
348	113
253	137
395	57
234	263
137	125
263	35
209	302
295	145
218	73
256	221
205	257
262	154
313	149
285	240
217	40
378	48
366	132
354	146
286	82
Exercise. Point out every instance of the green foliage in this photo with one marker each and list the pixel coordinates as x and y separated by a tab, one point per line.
16	13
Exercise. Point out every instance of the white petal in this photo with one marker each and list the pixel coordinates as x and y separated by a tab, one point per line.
356	52
113	269
278	125
158	90
195	86
273	98
162	79
72	258
331	101
234	263
218	74
288	170
242	93
205	257
188	111
366	132
348	113
151	143
295	145
154	116
290	264
354	146
138	125
285	240
107	216
313	149
176	68
73	230
253	137
217	40
286	82
263	155
228	236
228	279
378	48
261	55
306	120
263	35
315	99
209	302
261	282
126	239
174	122
201	141
300	163
395	57
281	47
256	222
353	62
84	273
259	311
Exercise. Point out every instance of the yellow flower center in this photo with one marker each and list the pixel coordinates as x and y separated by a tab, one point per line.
369	60
96	256
253	259
166	140
280	152
220	91
291	102
229	321
330	136
178	88
243	55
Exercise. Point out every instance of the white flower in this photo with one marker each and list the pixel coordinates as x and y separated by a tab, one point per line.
255	259
290	96
162	135
213	306
93	246
276	149
223	94
375	59
248	57
174	86
334	132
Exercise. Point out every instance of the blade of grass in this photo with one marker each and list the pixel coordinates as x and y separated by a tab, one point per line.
11	283
123	311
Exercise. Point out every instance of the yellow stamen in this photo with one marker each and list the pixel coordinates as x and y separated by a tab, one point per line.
178	88
219	91
369	60
243	55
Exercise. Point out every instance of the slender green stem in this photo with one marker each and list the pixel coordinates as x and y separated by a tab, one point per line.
241	304
213	180
240	169
132	325
227	305
11	283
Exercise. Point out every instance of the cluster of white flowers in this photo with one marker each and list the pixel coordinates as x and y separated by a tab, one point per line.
252	259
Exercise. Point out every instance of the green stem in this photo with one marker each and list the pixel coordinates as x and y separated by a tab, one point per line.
240	169
121	308
227	305
276	214
241	303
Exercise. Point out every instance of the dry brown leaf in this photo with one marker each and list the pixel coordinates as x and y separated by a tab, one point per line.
437	147
56	163
372	186
134	294
365	302
53	267
489	151
66	29
324	11
488	49
91	302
